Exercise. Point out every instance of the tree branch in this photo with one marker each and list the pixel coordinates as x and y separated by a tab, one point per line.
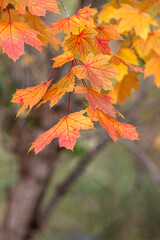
65	8
145	160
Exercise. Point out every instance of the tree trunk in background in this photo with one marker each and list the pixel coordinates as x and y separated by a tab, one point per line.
27	195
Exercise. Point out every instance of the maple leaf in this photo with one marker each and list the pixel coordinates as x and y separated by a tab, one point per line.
80	42
62	59
109	31
67	129
46	36
122	61
97	100
37	7
152	68
117	61
29	96
13	35
97	70
66	84
101	45
84	14
144	5
115	128
155	8
67	24
4	3
106	14
133	18
122	89
152	43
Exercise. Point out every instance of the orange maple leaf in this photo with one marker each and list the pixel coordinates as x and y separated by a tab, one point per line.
62	59
67	129
66	84
13	35
101	45
80	42
115	128
109	31
84	14
37	7
152	68
97	70
67	24
29	96
122	89
4	3
98	100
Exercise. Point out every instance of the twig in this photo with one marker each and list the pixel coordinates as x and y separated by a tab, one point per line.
65	8
145	160
118	3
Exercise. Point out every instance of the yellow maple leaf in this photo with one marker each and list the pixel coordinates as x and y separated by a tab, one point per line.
152	43
122	90
152	67
133	18
62	59
80	42
46	36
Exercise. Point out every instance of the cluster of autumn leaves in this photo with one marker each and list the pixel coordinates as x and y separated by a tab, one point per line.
92	63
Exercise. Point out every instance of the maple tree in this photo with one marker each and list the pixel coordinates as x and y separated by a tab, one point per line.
94	67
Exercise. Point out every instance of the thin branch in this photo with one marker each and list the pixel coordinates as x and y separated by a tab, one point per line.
65	8
145	160
118	3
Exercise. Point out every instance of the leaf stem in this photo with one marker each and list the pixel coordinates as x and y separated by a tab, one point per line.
84	84
69	100
65	8
78	61
9	14
51	75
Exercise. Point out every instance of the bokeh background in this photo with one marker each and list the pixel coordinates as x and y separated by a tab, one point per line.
101	190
